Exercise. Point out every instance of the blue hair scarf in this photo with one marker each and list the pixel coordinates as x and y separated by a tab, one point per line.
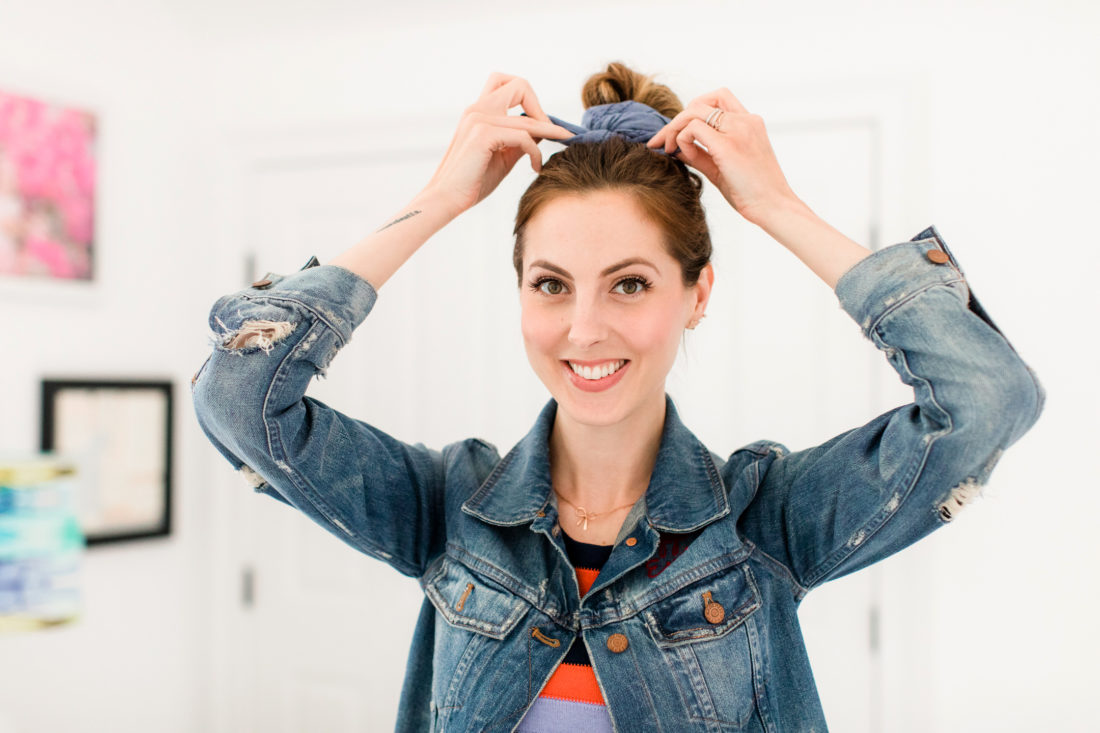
632	120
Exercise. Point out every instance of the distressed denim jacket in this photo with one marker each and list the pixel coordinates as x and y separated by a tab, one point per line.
501	601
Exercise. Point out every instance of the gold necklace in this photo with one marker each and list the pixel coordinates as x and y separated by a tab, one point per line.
583	516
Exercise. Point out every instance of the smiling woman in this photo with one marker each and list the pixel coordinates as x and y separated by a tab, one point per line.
605	306
610	572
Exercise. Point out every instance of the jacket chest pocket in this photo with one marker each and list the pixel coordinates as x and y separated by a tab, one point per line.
705	632
468	601
478	616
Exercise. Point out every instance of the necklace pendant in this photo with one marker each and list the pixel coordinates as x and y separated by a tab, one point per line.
582	516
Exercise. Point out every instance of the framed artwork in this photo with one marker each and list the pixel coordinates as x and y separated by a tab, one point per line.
119	434
47	190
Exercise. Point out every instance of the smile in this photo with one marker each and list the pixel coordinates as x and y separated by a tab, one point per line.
599	371
595	376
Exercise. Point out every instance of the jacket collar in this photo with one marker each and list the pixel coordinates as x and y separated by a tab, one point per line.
685	491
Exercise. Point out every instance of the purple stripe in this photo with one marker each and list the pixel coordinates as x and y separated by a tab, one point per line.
551	715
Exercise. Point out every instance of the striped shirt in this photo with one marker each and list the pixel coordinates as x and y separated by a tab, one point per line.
571	700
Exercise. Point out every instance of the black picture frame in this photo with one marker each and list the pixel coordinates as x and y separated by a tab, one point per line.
120	433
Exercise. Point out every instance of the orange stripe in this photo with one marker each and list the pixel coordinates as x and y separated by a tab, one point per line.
585	578
575	682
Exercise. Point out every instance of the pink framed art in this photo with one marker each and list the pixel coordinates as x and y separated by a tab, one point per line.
47	190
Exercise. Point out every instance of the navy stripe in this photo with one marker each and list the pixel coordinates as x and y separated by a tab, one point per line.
590	557
585	555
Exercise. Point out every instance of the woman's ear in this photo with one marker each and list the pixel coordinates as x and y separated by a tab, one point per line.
702	288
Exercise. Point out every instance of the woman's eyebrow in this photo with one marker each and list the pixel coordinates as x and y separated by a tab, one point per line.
607	271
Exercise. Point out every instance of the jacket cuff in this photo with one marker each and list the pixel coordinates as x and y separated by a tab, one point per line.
335	294
890	275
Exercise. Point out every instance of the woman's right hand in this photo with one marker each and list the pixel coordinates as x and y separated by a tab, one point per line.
489	141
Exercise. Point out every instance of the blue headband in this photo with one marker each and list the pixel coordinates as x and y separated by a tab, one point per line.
632	120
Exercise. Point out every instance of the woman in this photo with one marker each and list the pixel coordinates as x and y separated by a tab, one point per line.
610	572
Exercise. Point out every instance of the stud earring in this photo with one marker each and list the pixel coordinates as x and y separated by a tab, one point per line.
695	321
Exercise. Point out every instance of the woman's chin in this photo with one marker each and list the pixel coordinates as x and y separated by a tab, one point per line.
595	409
596	402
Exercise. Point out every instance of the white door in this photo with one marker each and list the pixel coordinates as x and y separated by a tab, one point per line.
322	645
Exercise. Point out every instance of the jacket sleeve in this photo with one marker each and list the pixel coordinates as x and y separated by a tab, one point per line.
379	495
832	509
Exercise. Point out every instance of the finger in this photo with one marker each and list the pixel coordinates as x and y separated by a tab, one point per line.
696	110
699	159
722	98
530	147
692	154
536	128
698	131
517	92
658	138
495	80
500	138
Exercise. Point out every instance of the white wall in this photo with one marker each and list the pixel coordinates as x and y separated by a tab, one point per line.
1006	642
135	661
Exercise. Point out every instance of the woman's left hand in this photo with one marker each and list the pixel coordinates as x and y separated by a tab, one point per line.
738	158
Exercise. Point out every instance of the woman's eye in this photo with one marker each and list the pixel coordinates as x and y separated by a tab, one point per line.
551	287
630	286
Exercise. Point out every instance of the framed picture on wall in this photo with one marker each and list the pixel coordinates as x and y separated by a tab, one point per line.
119	434
48	172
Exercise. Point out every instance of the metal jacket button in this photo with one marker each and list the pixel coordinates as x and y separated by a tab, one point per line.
938	256
617	643
712	610
261	283
631	541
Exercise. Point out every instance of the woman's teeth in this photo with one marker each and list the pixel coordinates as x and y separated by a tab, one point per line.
598	372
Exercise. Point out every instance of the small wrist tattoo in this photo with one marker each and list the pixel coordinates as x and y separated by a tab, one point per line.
401	218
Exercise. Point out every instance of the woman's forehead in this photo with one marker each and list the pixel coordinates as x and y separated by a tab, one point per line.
592	231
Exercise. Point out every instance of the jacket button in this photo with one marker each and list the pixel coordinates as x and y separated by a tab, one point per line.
938	256
261	283
540	514
712	609
631	541
617	643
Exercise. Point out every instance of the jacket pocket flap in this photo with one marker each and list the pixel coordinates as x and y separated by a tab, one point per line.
472	602
708	609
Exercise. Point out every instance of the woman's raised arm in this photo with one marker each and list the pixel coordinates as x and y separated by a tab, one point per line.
737	157
376	493
485	147
837	507
866	493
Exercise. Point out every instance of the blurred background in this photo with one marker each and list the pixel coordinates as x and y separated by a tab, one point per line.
234	138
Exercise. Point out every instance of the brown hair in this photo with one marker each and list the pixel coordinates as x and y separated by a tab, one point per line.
664	186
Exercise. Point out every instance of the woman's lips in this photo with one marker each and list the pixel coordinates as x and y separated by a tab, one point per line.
593	385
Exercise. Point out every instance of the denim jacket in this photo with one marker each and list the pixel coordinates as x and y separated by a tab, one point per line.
711	644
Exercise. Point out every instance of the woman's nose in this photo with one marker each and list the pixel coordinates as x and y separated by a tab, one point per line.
588	326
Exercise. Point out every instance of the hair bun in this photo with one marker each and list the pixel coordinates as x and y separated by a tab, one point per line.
620	83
